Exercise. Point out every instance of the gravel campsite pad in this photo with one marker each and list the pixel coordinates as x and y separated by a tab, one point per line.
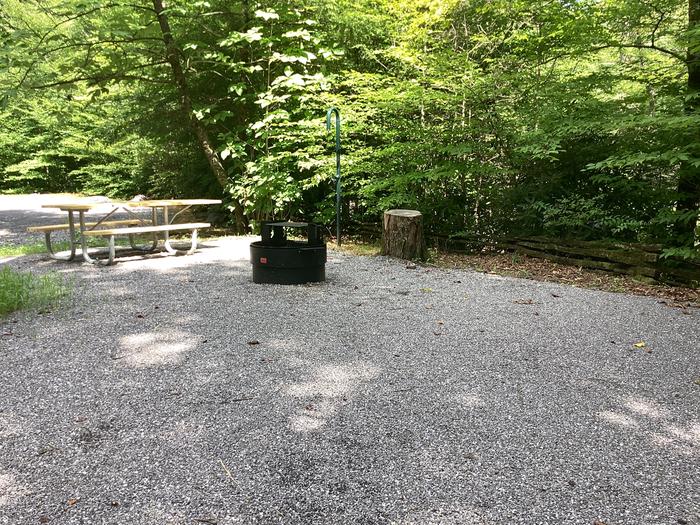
174	390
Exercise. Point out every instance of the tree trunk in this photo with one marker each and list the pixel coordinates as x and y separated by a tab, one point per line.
689	176
402	234
173	58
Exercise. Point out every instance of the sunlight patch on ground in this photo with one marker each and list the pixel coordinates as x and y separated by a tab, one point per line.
648	418
618	419
228	252
644	408
330	386
684	440
153	349
8	428
470	400
184	432
10	489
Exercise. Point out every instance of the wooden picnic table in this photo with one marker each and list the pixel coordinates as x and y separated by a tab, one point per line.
136	224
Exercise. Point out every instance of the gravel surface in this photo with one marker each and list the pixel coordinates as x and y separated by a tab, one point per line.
174	390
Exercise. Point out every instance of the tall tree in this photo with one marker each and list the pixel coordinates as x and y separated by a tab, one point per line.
173	57
689	176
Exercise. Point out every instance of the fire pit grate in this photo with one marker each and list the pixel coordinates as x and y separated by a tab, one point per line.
279	260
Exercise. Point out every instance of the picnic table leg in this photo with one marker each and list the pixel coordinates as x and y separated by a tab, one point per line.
166	236
110	260
110	257
190	251
154	222
154	242
83	240
71	233
86	255
166	221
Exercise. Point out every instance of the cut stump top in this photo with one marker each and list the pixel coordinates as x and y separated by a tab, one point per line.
404	213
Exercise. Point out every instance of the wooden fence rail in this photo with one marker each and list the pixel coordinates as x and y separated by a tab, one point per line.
639	260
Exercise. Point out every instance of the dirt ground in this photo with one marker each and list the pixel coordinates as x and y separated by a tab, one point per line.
521	266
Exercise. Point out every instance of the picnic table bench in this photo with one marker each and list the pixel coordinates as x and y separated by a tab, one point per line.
164	228
128	227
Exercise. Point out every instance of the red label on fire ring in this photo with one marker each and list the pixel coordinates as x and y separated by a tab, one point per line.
263	260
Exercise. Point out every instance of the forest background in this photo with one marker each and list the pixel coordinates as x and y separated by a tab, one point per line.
573	119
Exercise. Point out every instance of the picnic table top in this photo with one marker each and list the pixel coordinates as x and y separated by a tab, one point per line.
85	204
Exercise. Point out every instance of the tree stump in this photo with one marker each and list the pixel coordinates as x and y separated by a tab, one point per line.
402	234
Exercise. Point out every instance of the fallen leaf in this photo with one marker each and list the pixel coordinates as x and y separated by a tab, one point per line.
524	301
640	344
253	342
440	322
43	519
426	290
46	450
73	501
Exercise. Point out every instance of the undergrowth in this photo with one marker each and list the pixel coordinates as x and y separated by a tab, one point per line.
27	291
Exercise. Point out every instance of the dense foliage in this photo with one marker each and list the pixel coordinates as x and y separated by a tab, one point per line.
493	118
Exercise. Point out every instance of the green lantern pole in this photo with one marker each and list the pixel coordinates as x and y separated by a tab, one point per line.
329	114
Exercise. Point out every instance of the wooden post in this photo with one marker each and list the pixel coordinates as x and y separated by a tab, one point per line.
402	234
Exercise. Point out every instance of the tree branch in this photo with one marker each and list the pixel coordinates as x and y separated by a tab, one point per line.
652	47
102	78
75	17
656	28
98	43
